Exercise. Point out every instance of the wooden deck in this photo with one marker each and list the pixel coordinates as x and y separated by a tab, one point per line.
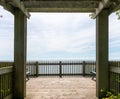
61	88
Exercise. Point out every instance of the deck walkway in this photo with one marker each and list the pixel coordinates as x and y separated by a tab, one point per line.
61	88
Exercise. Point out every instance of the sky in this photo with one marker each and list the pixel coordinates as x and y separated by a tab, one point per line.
58	36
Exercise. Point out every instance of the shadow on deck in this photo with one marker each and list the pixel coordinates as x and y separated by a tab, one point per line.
61	88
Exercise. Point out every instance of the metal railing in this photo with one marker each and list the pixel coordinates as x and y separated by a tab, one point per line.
60	68
114	76
6	80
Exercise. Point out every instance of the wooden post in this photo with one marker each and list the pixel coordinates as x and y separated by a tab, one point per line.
20	40
102	78
60	69
83	68
37	69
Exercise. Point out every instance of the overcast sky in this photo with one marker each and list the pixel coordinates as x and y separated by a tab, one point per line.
58	36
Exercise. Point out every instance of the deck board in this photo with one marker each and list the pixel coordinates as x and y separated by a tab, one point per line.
61	88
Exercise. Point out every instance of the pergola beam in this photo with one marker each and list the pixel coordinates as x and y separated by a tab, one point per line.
61	5
103	4
64	0
66	10
115	6
20	5
7	6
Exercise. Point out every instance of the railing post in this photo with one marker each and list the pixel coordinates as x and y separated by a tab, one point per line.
83	68
37	69
60	69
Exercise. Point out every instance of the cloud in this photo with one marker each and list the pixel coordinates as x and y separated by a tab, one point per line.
6	35
57	35
114	37
68	33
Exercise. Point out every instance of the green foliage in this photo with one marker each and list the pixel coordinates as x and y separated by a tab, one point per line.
118	14
5	91
110	95
91	15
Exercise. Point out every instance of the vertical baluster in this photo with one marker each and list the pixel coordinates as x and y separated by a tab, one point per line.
67	69
30	70
49	68
0	86
73	66
83	68
60	69
28	66
74	73
37	69
8	77
119	83
69	66
46	68
11	83
33	69
115	82
70	69
6	84
3	84
63	69
76	68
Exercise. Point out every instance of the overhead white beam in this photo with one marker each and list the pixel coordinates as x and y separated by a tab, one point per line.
20	5
103	4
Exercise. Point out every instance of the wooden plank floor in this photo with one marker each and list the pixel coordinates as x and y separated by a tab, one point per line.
61	88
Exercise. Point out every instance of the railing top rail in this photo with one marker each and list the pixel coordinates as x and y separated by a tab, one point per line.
114	64
61	63
5	70
6	64
115	70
